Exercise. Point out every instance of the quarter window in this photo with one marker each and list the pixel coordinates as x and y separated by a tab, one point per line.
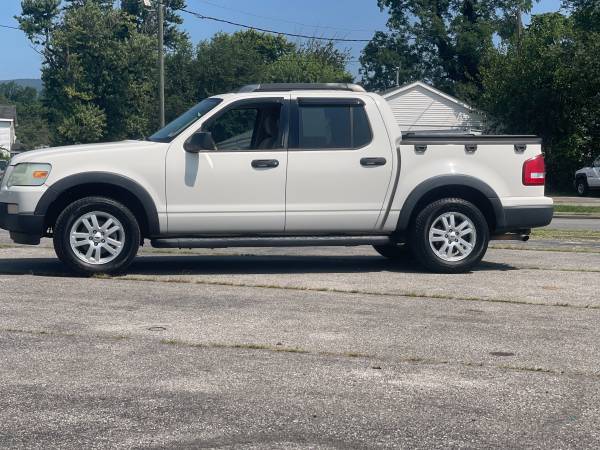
333	126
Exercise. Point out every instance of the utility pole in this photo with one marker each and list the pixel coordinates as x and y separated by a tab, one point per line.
161	63
398	76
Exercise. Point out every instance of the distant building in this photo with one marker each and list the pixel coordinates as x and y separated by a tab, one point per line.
8	116
420	107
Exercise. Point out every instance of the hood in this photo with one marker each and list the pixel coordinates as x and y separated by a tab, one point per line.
45	154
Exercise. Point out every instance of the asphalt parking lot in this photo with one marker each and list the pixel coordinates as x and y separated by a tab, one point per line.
303	348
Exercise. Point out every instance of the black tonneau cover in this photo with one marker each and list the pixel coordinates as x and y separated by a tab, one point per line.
437	138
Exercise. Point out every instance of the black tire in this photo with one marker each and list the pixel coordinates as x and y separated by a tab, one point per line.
582	187
422	249
77	209
394	251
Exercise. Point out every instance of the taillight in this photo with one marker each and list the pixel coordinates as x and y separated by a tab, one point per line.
534	171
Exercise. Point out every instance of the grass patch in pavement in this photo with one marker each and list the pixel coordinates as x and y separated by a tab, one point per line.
576	209
549	233
523	248
408	359
409	294
271	348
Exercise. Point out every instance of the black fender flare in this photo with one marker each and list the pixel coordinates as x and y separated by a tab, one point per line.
449	180
71	181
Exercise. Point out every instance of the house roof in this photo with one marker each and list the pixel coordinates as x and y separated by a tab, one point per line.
398	90
8	112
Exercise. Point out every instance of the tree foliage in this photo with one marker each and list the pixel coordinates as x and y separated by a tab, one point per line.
439	41
99	69
228	61
146	19
548	83
32	127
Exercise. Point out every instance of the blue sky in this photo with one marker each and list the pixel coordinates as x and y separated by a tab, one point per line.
358	19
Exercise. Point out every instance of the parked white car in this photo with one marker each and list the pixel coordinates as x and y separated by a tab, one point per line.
588	178
279	165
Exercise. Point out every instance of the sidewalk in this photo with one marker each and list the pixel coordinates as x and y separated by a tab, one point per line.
579	201
577	207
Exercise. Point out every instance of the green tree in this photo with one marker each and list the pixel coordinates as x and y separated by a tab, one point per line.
32	127
586	14
37	19
228	61
314	62
548	83
99	67
439	41
98	71
146	19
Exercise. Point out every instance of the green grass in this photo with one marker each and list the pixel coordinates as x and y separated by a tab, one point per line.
577	209
549	233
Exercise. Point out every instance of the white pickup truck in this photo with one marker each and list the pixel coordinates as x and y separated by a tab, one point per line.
279	165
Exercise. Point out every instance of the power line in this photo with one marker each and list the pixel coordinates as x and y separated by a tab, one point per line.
265	30
18	29
284	20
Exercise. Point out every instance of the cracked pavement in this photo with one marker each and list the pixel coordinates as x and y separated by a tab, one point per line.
301	348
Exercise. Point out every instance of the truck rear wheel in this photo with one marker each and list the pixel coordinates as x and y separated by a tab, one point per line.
96	235
450	235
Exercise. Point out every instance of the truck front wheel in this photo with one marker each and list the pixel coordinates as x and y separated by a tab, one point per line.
393	251
450	235
96	235
582	187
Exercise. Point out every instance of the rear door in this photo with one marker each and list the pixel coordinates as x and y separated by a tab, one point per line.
339	165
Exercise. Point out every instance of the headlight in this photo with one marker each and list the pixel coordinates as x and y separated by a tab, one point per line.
29	174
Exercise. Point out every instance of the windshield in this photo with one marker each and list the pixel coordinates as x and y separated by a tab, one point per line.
169	132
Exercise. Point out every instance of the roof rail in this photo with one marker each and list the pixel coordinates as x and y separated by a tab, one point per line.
284	87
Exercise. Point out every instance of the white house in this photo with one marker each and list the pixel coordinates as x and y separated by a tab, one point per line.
420	107
8	115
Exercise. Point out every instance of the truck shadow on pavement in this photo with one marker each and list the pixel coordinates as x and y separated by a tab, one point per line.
239	265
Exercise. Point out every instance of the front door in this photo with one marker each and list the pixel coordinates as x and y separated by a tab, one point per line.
339	165
238	187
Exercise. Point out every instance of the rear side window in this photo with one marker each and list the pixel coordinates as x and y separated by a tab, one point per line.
323	126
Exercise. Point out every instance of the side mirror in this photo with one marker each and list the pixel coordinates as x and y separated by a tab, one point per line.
200	141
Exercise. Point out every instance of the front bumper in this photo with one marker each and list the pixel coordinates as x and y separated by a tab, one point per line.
25	228
515	218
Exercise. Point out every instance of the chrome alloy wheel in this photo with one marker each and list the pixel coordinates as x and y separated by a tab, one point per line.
452	236
97	237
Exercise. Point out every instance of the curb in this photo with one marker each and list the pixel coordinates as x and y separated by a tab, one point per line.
575	216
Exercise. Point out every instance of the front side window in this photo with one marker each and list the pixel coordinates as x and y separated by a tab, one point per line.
255	126
333	127
174	128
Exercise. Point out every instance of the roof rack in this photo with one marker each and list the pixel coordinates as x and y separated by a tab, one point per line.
284	87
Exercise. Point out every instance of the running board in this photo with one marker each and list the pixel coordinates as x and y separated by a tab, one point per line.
300	241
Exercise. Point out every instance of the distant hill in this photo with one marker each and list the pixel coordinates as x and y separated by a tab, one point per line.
35	83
